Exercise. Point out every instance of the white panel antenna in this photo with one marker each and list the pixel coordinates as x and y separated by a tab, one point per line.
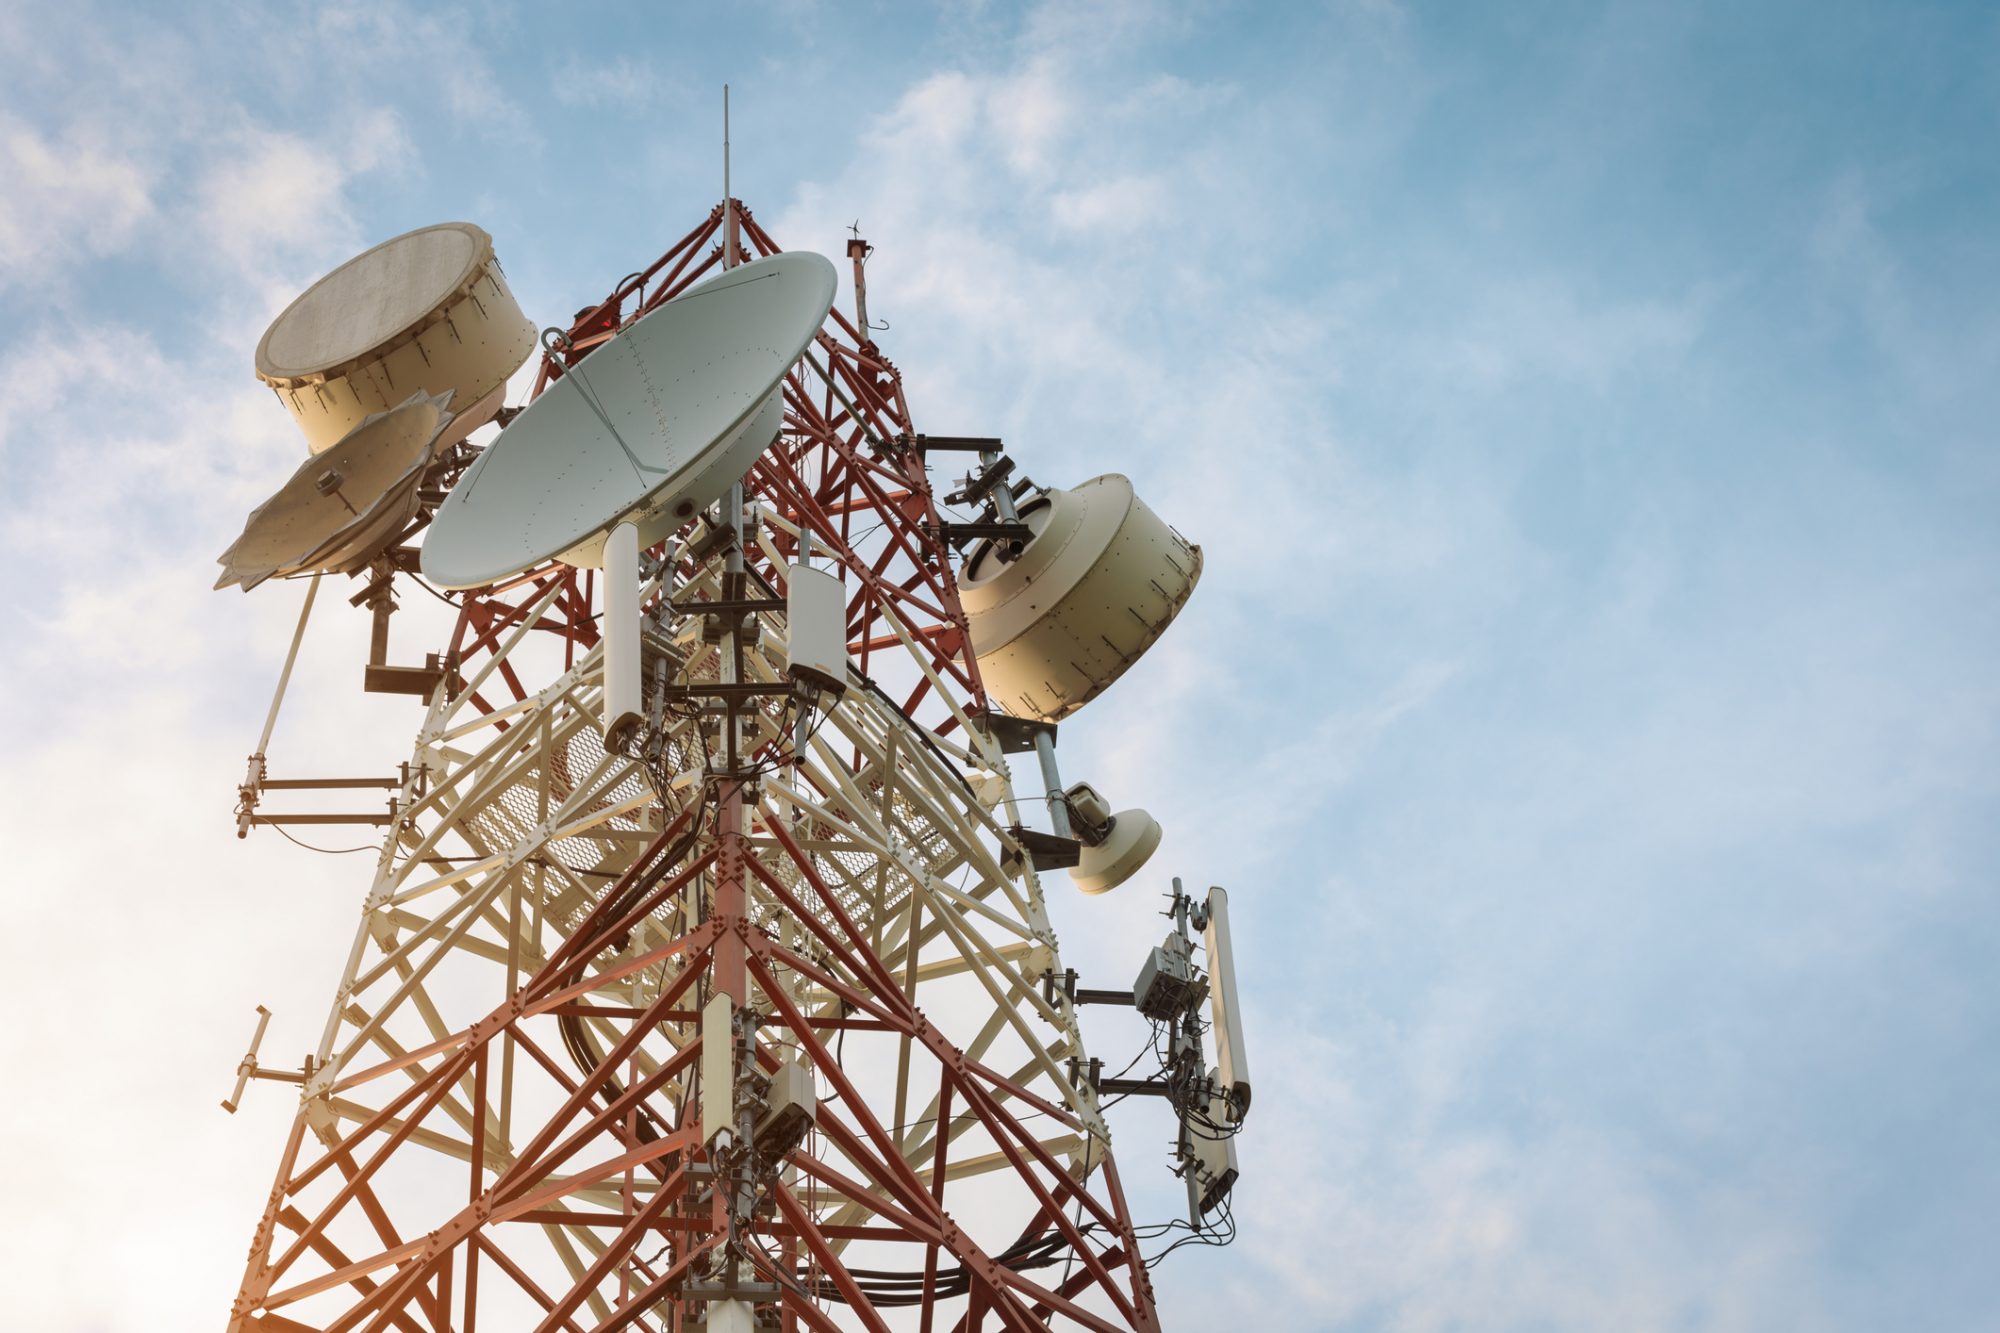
1225	1013
622	702
816	629
1214	1156
718	1068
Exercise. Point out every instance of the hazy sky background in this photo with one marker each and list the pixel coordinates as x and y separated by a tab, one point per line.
1588	414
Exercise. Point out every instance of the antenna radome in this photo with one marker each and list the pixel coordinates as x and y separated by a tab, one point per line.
428	310
1097	583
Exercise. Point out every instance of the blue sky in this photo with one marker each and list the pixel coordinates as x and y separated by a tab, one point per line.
1587	412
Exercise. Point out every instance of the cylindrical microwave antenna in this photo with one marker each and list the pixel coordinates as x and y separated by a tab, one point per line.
428	310
1096	585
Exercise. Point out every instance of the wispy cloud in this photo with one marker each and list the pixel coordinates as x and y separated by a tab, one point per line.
70	196
625	83
1127	203
266	200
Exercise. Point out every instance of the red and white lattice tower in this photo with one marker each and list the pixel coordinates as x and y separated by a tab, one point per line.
573	966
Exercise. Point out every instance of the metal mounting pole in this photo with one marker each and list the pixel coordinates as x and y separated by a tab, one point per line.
1003	498
285	676
728	199
1045	750
732	656
248	1066
1045	739
1185	1045
733	1200
857	250
253	777
378	631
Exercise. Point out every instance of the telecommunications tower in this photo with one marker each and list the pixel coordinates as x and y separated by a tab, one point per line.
705	979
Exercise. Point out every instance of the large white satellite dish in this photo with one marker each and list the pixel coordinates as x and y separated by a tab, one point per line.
653	425
343	506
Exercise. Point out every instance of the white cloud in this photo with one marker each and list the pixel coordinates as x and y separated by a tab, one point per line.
409	53
277	194
1525	329
68	198
937	113
128	463
1031	111
32	386
1125	204
475	97
624	83
132	693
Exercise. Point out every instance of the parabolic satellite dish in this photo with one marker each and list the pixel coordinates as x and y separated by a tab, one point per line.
344	505
653	425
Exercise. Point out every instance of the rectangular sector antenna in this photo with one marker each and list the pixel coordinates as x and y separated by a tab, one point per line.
1227	1015
718	1068
1215	1158
622	704
816	629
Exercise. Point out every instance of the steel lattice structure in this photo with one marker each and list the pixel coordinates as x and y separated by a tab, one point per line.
500	1124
